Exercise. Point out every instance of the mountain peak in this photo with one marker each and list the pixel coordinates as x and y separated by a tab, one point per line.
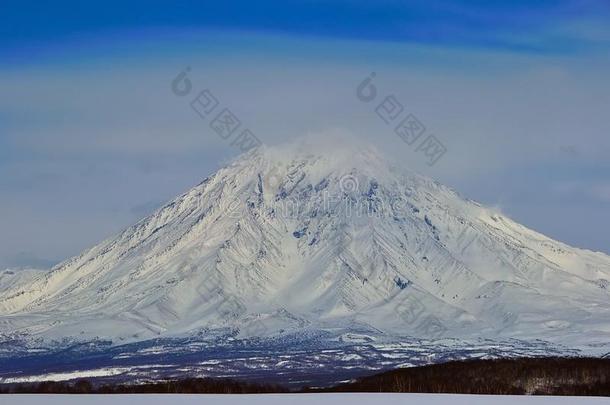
333	151
311	235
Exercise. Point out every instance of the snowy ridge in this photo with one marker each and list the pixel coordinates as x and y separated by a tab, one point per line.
298	238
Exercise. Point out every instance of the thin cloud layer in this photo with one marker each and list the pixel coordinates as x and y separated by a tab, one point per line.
88	146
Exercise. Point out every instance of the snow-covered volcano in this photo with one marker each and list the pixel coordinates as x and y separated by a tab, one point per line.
294	239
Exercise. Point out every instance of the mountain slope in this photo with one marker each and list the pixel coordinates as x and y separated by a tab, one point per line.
292	238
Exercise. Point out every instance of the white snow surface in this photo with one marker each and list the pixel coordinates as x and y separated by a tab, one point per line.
294	238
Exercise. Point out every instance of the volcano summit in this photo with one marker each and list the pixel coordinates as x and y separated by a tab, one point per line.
301	257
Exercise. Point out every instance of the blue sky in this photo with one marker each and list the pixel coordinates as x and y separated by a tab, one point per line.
92	139
543	25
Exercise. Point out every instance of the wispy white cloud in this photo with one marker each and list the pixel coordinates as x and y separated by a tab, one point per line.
84	146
